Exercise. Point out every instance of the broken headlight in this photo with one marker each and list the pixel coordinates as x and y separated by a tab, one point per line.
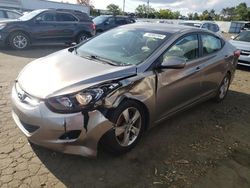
79	101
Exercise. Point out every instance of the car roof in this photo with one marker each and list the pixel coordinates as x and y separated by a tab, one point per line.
120	16
164	28
198	22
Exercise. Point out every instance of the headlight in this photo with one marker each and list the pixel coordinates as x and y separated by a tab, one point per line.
2	26
79	101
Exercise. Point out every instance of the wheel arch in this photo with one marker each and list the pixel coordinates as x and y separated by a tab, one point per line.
124	99
17	31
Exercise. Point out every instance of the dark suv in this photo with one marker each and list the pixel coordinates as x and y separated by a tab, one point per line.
106	22
46	26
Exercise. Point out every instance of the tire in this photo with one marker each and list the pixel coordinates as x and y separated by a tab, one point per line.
19	41
123	137
223	89
81	37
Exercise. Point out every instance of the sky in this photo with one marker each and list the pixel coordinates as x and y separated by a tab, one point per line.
184	6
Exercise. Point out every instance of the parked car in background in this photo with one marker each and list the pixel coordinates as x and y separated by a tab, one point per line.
164	21
115	86
106	22
245	27
9	14
209	25
46	26
242	42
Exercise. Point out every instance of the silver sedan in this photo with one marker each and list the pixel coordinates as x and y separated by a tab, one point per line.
112	88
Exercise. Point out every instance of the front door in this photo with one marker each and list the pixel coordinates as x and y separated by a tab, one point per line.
177	88
44	27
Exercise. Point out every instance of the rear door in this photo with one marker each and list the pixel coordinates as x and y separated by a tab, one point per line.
179	87
213	62
66	26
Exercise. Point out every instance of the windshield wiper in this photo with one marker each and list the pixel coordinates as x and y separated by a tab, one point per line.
100	59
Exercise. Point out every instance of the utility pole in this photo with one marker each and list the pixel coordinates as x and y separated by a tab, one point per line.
123	7
148	9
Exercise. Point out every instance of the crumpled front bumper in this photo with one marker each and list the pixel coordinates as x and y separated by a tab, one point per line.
67	133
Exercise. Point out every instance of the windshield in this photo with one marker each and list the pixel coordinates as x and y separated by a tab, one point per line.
123	46
30	15
244	36
191	24
99	19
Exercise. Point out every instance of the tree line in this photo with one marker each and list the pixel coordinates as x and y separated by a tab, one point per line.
238	13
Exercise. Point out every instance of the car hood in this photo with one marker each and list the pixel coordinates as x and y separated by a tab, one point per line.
6	20
64	72
241	45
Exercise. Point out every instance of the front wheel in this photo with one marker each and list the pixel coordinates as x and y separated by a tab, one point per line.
223	89
129	124
19	41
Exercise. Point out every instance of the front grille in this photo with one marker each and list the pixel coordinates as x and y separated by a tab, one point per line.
244	52
29	128
245	62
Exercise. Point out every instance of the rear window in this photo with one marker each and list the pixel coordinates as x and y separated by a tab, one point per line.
210	44
64	17
82	16
2	14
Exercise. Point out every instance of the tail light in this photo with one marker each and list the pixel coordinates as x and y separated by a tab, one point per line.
92	26
237	53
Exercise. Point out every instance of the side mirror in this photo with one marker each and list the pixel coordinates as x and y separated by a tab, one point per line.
232	37
173	63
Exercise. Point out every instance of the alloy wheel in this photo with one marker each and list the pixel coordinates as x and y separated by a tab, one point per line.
20	41
224	87
128	126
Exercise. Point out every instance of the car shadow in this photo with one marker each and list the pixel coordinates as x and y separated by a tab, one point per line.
33	51
171	140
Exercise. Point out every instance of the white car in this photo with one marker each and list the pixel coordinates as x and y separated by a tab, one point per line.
242	42
209	25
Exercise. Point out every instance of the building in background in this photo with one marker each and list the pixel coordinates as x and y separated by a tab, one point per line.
28	5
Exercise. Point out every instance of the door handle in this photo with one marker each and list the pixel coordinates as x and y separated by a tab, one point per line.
197	69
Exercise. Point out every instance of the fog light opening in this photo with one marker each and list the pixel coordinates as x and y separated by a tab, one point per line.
70	135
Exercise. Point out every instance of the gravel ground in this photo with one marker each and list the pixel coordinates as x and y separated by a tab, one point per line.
206	146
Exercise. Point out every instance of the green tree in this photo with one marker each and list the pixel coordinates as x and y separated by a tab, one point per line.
176	14
205	15
114	9
196	16
166	14
190	16
241	12
143	11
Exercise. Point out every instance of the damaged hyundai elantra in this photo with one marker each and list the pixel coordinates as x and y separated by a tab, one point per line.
110	89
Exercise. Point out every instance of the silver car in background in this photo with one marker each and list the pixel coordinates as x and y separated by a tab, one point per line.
112	88
242	42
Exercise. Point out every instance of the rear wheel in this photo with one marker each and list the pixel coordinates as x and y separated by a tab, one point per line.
19	41
223	89
81	37
129	123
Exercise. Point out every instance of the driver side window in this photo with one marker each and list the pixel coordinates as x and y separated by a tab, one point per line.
186	48
47	17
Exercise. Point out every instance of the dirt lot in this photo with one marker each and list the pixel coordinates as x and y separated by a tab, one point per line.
206	146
